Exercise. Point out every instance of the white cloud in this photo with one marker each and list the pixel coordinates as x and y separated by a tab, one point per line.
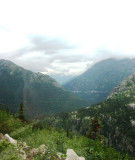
75	33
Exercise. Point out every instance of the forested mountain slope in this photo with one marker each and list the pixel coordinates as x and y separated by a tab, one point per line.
116	113
39	93
97	82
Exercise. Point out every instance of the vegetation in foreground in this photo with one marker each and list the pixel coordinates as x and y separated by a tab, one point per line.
55	140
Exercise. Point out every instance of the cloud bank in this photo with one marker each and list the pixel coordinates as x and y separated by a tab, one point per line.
45	54
66	36
58	56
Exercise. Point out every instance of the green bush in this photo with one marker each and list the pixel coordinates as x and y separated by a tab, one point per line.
8	123
8	151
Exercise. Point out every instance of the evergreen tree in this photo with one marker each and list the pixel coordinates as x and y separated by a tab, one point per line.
95	128
21	113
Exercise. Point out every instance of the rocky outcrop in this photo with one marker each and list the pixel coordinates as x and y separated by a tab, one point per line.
126	86
25	152
71	155
11	140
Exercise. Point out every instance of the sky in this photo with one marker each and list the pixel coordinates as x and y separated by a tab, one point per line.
66	36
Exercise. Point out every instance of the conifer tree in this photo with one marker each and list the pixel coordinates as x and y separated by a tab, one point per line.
95	127
21	113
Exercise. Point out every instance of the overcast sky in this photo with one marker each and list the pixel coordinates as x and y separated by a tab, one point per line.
66	36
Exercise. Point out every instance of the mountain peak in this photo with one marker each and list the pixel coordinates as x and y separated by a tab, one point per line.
3	61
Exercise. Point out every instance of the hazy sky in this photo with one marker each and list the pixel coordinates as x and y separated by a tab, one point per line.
66	36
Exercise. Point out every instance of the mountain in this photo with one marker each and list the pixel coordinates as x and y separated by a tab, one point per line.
116	113
39	93
97	82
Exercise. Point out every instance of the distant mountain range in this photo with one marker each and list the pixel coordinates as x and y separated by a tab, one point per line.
97	82
40	93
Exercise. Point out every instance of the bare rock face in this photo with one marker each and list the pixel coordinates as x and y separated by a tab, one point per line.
71	155
11	140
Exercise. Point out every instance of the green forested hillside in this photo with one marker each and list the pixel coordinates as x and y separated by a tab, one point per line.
116	113
39	93
55	141
97	82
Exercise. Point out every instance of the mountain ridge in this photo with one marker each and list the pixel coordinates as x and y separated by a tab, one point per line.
40	93
96	83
